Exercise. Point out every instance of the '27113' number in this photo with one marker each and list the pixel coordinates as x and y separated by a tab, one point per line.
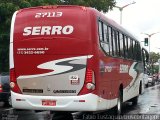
48	14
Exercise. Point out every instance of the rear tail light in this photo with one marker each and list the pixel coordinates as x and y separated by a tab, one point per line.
90	80
1	90
89	75
13	82
12	76
89	84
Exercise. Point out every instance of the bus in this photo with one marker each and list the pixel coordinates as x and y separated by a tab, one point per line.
72	58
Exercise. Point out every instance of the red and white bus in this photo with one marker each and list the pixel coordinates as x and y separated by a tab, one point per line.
72	58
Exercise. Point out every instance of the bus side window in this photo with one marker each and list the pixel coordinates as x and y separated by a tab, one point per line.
106	40
110	40
114	42
103	36
139	55
134	50
121	45
129	48
126	47
118	44
100	31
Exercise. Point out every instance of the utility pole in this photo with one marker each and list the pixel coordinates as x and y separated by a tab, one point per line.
121	9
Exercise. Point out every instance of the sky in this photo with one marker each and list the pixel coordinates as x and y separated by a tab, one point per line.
138	18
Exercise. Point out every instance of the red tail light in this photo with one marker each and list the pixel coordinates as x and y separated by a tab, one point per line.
89	84
13	82
1	90
12	75
89	76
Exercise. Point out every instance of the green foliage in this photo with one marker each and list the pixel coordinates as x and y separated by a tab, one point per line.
6	11
4	53
153	60
36	2
154	57
24	4
155	69
101	5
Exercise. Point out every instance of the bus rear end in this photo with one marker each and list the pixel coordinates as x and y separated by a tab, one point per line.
51	59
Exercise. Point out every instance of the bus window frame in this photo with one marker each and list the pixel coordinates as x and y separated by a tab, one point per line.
118	51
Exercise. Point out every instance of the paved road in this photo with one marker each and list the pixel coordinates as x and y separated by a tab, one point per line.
149	103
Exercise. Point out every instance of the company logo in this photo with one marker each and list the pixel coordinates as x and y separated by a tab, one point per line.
48	30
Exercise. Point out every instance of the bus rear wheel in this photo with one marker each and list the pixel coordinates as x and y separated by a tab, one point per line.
62	116
119	103
134	100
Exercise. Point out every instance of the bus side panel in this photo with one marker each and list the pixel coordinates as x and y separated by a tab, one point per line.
113	73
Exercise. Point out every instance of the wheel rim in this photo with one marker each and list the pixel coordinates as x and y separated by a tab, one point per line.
119	105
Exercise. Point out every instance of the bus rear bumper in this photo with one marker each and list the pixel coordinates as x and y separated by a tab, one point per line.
88	102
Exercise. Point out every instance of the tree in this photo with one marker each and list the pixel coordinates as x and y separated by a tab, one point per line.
101	5
4	53
154	57
153	60
8	7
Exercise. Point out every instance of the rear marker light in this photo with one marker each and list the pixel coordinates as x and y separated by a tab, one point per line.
79	100
1	90
12	84
82	101
90	86
20	99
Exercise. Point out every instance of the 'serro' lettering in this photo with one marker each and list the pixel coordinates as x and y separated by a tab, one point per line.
48	30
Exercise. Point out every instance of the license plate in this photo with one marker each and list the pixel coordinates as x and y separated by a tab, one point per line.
49	102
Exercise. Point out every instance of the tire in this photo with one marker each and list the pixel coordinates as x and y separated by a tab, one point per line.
134	100
119	103
153	83
8	103
140	88
62	116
